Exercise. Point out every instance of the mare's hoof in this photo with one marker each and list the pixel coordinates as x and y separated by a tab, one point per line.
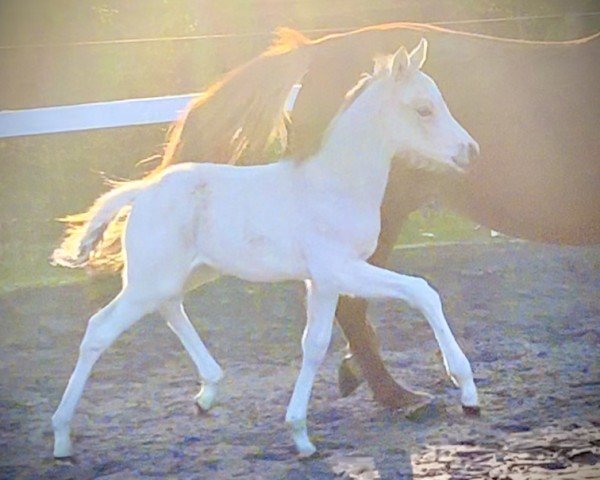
349	377
67	460
429	409
471	411
398	397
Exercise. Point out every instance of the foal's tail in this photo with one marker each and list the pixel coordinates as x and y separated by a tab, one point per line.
91	234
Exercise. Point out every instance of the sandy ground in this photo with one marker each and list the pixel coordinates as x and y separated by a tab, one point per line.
528	317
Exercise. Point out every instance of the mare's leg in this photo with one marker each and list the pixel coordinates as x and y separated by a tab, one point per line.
364	280
103	329
351	314
406	191
315	341
209	370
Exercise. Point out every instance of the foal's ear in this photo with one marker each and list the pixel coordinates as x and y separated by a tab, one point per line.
400	62
419	55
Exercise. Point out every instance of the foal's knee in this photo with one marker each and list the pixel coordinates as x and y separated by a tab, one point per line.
93	345
422	295
315	349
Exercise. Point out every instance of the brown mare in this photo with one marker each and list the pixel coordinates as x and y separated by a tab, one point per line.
532	106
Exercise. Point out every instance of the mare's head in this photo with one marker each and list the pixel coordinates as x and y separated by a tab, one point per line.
416	116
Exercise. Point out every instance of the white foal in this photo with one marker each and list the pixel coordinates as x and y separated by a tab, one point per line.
315	220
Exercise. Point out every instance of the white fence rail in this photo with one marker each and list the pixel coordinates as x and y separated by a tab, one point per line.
90	116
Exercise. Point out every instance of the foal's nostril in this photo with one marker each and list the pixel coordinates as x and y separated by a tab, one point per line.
473	151
466	153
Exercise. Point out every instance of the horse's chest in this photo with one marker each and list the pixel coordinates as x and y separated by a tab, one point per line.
363	236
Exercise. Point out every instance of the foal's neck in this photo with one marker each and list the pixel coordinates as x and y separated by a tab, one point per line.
356	154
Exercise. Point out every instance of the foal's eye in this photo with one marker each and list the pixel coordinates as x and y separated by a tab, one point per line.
425	111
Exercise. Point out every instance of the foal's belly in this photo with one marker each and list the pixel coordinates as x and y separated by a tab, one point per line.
355	231
257	258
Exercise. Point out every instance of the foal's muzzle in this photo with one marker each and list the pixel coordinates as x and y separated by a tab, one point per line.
466	154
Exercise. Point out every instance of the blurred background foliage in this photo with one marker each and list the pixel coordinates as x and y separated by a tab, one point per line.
63	52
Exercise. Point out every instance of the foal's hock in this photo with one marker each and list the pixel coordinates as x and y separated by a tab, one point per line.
315	220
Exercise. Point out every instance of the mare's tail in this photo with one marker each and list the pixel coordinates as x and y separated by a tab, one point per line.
88	237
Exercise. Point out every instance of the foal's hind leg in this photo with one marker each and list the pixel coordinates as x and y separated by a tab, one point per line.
103	329
364	280
209	370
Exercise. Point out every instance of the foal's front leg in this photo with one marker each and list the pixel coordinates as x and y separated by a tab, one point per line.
364	280
320	309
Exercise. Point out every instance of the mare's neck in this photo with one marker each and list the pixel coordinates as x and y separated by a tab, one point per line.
355	157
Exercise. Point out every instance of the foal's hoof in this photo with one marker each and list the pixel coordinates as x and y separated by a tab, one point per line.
70	460
349	376
307	452
471	410
63	450
201	412
304	446
206	398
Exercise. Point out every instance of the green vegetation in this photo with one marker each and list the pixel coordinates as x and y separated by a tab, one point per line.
435	226
27	266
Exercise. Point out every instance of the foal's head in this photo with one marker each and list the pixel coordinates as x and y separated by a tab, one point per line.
416	116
